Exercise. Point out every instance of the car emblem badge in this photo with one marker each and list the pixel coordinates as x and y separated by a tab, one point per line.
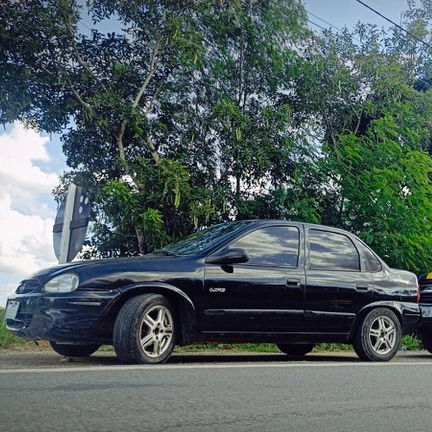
217	290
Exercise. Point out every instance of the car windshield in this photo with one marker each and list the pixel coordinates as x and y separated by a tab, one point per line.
203	239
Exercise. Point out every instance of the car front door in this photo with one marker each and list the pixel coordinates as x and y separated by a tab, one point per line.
264	294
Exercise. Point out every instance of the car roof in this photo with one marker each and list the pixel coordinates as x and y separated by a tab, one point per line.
263	222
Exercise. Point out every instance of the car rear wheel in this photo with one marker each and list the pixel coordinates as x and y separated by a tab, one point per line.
296	349
70	350
144	330
378	336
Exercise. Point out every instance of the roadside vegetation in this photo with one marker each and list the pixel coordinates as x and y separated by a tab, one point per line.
6	339
409	343
191	113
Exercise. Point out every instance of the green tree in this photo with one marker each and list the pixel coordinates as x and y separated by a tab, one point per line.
240	116
383	192
37	40
372	130
191	113
164	116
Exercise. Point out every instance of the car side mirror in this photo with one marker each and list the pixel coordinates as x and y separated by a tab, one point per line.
228	256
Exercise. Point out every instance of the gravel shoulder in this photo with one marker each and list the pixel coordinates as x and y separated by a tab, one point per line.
31	356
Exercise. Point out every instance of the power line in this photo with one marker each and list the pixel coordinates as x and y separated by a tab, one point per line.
380	14
328	23
317	25
388	19
392	22
331	25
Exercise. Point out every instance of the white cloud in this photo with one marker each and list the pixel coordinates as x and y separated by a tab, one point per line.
20	177
27	209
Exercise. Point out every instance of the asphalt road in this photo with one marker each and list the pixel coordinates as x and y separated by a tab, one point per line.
216	392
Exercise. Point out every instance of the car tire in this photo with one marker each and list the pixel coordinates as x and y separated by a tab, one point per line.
296	349
378	336
70	350
426	339
144	330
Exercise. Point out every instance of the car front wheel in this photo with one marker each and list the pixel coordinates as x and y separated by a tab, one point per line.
144	330
378	336
70	350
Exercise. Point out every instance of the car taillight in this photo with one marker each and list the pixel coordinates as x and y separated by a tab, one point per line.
418	293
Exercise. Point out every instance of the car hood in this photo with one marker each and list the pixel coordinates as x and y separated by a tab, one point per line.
98	273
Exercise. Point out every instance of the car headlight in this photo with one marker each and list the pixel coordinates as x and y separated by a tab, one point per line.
63	283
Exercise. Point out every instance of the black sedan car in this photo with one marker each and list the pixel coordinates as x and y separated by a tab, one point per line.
289	283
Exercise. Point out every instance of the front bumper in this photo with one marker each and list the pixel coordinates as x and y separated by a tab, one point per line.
78	317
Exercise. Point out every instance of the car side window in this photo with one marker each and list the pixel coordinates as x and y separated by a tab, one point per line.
271	246
332	251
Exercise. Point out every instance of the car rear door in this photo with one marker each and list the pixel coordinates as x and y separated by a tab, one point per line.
336	286
264	294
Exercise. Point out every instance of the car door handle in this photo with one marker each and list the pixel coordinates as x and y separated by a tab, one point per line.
293	283
362	287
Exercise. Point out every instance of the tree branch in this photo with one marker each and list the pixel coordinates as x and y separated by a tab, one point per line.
86	105
135	103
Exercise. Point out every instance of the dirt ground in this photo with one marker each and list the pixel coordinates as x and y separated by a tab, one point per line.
32	356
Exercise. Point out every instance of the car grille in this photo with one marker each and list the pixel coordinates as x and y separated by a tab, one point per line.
28	286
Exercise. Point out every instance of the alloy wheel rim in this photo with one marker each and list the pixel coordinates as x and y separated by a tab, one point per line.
382	335
157	331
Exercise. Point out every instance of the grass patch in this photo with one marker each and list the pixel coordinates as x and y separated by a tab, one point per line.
411	343
257	347
332	347
7	339
408	343
263	347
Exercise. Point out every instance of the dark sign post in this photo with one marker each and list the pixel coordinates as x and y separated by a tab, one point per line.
70	224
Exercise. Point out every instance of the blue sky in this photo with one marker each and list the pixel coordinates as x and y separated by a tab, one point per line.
31	163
